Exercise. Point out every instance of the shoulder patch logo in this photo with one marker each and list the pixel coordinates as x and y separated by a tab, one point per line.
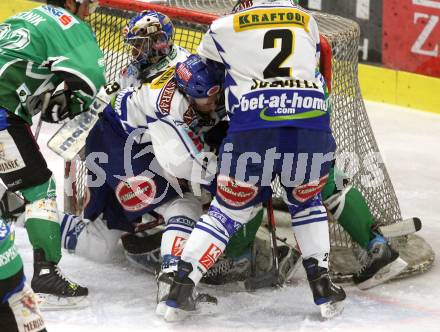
64	19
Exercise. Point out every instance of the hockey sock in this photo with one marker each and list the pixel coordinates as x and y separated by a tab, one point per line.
177	231
180	216
244	237
349	208
41	219
210	236
204	247
310	226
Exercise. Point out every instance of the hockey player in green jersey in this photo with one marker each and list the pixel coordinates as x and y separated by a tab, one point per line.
39	50
349	207
18	304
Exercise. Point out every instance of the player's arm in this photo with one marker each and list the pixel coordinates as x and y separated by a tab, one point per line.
80	67
176	145
207	48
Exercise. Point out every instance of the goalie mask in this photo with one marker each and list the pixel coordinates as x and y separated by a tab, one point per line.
200	81
150	37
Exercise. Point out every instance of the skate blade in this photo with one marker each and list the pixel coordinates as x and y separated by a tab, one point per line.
175	314
330	310
161	308
384	274
49	302
172	314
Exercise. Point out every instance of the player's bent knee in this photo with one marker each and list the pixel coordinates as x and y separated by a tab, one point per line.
43	209
97	242
224	224
336	202
42	202
188	206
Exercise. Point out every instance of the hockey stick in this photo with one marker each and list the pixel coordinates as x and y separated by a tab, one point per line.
70	139
272	277
38	128
402	228
46	100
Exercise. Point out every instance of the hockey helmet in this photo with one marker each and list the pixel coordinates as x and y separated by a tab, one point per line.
150	36
201	81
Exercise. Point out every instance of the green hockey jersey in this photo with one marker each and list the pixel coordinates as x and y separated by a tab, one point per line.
10	260
35	47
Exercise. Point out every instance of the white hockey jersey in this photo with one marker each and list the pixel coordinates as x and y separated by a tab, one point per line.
271	53
159	113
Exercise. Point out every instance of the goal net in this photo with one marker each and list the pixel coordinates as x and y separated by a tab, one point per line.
357	149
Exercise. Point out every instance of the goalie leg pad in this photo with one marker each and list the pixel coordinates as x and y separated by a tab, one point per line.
352	213
245	236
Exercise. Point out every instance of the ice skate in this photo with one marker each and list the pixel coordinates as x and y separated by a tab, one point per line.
326	294
380	264
182	299
54	290
164	282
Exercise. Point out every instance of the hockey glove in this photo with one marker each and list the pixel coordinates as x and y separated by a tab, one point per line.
11	206
57	109
62	105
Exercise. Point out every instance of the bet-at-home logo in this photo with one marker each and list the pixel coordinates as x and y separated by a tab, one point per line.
271	18
280	105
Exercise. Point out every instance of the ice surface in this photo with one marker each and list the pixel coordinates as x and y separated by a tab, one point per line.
123	299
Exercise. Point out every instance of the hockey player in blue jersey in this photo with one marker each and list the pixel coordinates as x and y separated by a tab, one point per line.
113	205
114	209
279	126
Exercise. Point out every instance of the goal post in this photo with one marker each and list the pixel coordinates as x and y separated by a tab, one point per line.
351	127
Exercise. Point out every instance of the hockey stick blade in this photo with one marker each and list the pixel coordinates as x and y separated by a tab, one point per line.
405	227
71	137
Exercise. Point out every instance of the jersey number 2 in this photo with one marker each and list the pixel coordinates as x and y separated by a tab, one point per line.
273	69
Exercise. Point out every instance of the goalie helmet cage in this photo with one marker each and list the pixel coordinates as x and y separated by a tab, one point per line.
349	120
